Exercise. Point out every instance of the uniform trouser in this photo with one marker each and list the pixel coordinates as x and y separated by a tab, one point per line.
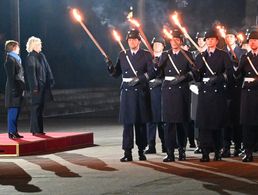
12	118
210	139
140	134
173	132
233	132
151	133
36	117
250	137
190	132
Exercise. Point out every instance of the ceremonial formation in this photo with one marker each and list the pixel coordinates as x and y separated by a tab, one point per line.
202	89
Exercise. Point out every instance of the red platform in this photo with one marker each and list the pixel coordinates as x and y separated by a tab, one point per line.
49	143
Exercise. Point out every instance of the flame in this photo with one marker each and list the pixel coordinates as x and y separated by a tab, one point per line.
175	19
167	33
240	37
76	15
116	36
222	30
134	22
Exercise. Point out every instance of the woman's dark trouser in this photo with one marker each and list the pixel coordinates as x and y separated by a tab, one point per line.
13	115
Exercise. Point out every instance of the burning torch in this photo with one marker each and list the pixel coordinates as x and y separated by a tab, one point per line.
118	39
143	36
78	18
176	21
222	32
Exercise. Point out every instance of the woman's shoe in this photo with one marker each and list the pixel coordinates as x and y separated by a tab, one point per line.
14	135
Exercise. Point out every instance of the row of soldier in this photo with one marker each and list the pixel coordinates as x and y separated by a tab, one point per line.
155	93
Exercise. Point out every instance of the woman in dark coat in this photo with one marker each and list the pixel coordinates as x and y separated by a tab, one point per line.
40	80
14	86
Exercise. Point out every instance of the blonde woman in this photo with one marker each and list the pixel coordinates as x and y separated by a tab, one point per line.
40	80
14	86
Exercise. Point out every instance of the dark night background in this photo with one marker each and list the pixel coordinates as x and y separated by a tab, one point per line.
75	61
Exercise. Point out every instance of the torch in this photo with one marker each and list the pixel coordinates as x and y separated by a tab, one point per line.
176	21
78	18
240	38
118	39
222	32
143	36
169	36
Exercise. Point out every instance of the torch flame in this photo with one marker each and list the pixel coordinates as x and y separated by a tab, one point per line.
116	35
240	37
222	31
77	15
134	22
175	19
167	33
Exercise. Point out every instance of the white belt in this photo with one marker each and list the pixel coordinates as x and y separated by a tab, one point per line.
205	79
152	81
249	79
127	80
167	78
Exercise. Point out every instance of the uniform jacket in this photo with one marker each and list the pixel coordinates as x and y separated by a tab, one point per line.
134	100
212	101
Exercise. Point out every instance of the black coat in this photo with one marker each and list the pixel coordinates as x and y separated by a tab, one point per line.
212	100
234	90
175	98
39	76
134	100
15	82
249	93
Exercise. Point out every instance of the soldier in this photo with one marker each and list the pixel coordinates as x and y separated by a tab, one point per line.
175	96
233	129
211	109
158	44
194	88
248	69
136	69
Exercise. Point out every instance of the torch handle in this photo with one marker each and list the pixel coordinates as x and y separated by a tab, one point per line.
93	39
146	40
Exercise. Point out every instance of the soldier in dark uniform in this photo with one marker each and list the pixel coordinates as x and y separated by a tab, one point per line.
134	99
175	97
158	44
212	102
233	129
248	69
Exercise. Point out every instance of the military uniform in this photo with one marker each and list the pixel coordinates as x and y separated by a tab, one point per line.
233	131
249	100
175	99
134	98
212	102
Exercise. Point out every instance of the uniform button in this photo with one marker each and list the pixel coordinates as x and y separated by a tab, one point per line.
249	72
126	89
179	87
135	89
169	88
169	70
180	70
216	90
204	91
248	89
235	85
125	72
150	88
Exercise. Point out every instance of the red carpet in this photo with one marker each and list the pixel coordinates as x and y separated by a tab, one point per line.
49	143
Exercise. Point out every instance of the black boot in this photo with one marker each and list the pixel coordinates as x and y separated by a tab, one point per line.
248	156
205	156
170	156
151	150
237	151
217	156
197	150
127	156
181	155
142	155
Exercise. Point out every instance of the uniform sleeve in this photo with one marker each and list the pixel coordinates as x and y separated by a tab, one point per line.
228	68
31	73
116	71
